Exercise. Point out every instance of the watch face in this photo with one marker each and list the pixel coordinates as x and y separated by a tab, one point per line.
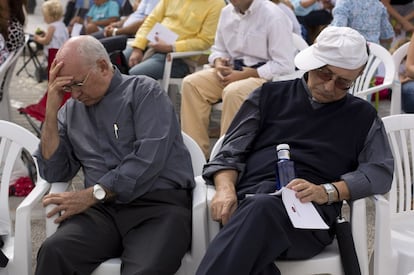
98	192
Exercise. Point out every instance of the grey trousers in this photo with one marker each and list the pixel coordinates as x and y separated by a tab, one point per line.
150	235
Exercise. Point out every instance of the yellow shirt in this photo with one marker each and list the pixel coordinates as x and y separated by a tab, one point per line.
195	22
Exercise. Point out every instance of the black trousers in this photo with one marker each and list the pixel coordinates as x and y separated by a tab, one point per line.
259	232
150	235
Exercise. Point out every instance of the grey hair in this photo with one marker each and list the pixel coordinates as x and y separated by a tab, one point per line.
91	50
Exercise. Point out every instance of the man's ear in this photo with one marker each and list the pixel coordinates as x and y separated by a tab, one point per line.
103	66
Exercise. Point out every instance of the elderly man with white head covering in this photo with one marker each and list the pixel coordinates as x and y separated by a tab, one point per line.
338	145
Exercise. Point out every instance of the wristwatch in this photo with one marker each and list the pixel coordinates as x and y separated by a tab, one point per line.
330	190
98	192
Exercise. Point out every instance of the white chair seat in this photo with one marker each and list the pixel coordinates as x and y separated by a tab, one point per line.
318	264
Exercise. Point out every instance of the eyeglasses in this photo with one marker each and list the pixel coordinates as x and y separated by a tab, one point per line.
68	88
341	83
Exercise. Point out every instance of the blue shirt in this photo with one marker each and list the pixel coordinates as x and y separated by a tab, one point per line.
368	17
106	10
301	11
144	9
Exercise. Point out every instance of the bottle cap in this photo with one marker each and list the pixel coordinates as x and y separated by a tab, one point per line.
282	146
283	151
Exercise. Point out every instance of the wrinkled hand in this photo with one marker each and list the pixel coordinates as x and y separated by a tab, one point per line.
69	203
224	204
136	57
55	92
307	191
160	46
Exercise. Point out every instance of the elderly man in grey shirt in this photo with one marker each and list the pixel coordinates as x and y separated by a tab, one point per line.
123	132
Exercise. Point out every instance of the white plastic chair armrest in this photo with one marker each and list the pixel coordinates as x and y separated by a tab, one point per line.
382	243
369	91
199	239
51	226
395	107
168	65
213	226
359	232
23	237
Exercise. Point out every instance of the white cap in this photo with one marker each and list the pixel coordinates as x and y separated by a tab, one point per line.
341	47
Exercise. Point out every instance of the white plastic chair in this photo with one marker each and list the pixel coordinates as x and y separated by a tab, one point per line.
394	230
18	241
326	262
167	80
6	74
398	57
378	55
199	242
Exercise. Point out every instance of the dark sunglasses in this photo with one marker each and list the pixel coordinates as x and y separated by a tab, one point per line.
341	83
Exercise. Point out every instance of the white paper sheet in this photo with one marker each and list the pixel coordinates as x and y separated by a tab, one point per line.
163	33
76	29
302	215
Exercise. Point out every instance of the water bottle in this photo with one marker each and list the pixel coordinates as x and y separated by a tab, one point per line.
285	168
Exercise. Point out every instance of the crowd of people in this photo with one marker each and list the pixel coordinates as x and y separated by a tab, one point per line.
123	132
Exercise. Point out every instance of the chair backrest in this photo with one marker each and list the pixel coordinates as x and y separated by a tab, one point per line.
13	140
18	243
378	55
216	147
400	131
197	157
398	57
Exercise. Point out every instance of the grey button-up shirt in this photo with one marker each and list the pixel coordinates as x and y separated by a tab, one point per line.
130	142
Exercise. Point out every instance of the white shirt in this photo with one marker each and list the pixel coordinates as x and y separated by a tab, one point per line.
289	12
262	34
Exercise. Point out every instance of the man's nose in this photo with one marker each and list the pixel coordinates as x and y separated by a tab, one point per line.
76	93
330	84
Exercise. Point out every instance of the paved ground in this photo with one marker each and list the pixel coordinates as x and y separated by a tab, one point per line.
25	90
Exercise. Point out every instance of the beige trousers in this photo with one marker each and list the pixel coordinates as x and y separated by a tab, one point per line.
199	92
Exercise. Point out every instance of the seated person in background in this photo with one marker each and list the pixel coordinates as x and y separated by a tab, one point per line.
78	14
56	33
15	16
123	132
402	11
129	25
4	53
194	22
407	80
101	14
288	10
314	15
240	62
369	18
337	142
